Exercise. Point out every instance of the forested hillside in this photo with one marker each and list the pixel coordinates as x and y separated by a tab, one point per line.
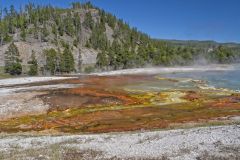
83	38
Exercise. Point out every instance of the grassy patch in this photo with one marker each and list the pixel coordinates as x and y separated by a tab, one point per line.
4	75
53	152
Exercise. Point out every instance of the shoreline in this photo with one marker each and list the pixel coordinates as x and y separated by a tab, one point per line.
157	70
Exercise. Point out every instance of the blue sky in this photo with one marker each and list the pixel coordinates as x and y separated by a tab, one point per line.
217	20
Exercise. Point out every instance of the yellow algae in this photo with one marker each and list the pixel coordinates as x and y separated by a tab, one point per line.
168	79
174	97
179	79
94	118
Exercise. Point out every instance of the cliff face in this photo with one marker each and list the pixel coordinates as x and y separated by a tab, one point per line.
37	42
86	56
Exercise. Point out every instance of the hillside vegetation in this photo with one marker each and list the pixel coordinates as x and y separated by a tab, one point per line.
51	40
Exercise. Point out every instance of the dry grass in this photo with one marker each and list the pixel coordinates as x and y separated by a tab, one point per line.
53	152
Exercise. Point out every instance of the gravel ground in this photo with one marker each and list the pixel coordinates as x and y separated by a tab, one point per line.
22	100
222	142
26	80
19	104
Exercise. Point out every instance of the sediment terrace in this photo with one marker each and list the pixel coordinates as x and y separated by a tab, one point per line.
97	104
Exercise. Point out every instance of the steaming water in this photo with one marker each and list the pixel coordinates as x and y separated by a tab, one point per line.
213	76
229	79
158	70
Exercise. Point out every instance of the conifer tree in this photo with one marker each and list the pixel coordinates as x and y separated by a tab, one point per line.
67	61
88	21
51	60
23	34
12	60
102	61
33	65
80	60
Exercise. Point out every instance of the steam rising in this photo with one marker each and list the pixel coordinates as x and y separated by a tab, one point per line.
156	70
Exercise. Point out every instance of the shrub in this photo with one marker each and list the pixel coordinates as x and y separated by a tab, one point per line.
89	69
15	69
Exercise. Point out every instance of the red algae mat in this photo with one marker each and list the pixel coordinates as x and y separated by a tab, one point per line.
111	104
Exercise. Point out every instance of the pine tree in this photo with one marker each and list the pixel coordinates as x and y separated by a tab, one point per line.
80	60
1	33
76	5
61	28
88	21
33	65
98	39
51	60
1	28
1	14
87	5
44	33
12	60
23	34
54	30
69	28
78	28
4	35
67	61
12	20
102	61
111	20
